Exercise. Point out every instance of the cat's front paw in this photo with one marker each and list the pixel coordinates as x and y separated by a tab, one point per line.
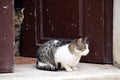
74	68
69	69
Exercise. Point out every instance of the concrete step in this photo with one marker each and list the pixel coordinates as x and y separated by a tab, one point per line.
86	71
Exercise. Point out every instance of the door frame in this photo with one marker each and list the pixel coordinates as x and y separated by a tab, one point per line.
6	36
116	33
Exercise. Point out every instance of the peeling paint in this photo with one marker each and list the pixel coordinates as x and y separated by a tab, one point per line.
5	7
4	38
14	43
101	18
89	8
35	13
27	25
13	2
49	21
72	24
30	13
96	53
89	15
75	25
27	28
52	27
47	10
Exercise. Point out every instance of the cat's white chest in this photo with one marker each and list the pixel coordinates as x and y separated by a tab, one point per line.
63	55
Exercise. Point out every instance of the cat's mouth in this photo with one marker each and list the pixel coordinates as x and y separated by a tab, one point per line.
86	52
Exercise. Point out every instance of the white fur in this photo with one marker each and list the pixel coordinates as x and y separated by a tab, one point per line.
67	59
41	64
44	64
55	41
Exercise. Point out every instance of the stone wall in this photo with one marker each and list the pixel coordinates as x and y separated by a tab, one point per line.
116	33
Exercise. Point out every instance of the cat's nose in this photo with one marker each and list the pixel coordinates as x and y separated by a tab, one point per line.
88	51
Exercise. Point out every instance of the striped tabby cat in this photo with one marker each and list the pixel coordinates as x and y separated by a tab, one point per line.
18	18
54	55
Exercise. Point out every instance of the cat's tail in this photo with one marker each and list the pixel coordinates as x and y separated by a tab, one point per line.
43	66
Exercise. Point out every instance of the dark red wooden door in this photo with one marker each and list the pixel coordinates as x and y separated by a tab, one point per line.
70	19
6	36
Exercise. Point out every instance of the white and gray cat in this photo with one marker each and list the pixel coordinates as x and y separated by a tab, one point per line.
53	55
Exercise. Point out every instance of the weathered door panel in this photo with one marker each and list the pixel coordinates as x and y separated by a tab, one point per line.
28	43
58	19
94	29
6	36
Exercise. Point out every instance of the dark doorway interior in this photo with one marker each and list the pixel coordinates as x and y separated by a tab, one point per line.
18	20
18	3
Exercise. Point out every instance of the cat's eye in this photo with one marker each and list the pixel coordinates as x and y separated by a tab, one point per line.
82	49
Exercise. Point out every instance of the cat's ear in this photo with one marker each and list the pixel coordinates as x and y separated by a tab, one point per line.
79	41
85	40
22	10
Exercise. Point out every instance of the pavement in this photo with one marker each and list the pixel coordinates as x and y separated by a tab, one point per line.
86	71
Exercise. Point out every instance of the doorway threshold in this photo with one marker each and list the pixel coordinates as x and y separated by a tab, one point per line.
86	71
